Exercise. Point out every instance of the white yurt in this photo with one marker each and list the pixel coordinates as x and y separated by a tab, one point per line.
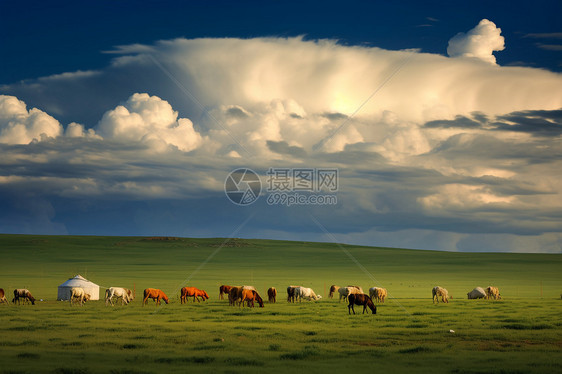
78	281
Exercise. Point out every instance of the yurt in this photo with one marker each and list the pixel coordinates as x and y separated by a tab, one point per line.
78	281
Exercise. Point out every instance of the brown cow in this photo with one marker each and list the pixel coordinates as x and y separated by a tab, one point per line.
23	293
224	289
272	295
192	292
154	294
3	296
333	289
360	299
291	293
234	295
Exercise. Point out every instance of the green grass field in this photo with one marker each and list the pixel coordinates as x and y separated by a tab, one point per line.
522	333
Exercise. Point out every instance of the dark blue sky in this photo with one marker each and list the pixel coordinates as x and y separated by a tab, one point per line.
44	38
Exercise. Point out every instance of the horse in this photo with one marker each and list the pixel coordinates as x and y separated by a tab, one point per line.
192	292
118	292
360	299
250	296
224	289
154	294
3	296
333	289
78	294
272	294
22	293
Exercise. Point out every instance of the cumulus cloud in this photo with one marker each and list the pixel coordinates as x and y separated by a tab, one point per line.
20	126
150	120
479	42
438	157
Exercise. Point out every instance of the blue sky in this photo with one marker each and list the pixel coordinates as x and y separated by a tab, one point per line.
444	120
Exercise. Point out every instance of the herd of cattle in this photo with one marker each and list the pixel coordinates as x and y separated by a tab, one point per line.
248	295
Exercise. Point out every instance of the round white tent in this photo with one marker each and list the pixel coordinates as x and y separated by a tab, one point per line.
78	281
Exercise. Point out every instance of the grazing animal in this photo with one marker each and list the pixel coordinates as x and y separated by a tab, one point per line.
22	293
250	296
234	295
154	294
305	293
192	292
3	296
272	295
125	294
493	292
78	294
346	291
333	289
291	293
360	299
440	292
224	289
477	293
378	294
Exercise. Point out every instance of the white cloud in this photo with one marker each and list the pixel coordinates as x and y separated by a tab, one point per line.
76	130
479	42
20	126
150	120
485	164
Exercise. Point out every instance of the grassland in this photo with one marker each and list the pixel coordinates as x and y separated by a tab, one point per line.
520	334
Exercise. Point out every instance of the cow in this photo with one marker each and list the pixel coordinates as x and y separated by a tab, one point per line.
78	294
378	294
291	294
477	293
235	294
224	289
154	294
193	292
360	299
333	289
346	291
272	294
3	296
22	293
305	293
124	294
440	292
493	292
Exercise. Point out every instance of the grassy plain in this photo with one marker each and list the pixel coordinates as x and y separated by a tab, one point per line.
520	334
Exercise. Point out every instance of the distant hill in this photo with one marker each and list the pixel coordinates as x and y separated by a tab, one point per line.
41	263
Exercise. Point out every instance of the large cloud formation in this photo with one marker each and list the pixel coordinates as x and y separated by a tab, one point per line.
433	152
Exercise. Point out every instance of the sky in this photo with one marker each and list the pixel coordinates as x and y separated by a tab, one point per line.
441	123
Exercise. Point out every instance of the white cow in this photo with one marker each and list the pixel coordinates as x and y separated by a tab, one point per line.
378	294
305	293
440	292
477	293
346	291
79	294
124	294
